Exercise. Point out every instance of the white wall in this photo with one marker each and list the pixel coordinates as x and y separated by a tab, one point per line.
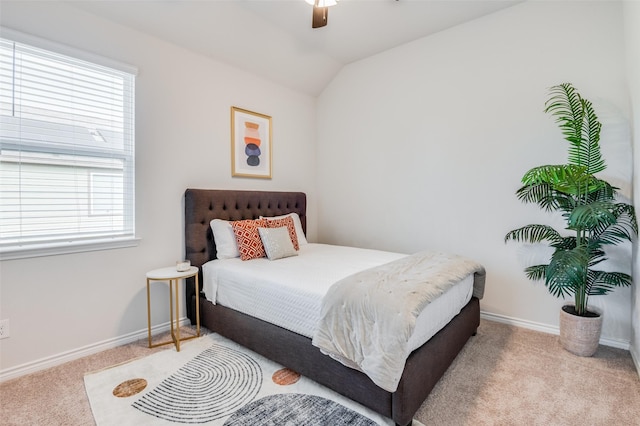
69	303
632	32
424	146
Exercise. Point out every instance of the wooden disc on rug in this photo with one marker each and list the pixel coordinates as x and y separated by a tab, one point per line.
129	387
285	376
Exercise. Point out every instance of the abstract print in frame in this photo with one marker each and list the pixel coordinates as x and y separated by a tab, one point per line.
250	144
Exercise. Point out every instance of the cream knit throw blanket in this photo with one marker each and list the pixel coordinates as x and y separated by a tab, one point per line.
368	318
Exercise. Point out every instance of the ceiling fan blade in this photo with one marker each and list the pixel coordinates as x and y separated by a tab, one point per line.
320	15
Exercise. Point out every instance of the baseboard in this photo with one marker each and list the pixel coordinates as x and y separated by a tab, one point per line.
52	361
545	328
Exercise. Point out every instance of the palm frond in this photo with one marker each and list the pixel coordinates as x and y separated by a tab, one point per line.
534	234
565	104
625	227
546	197
567	271
587	153
595	250
536	272
604	192
627	215
602	282
566	202
614	234
592	215
568	179
579	124
552	174
565	243
534	193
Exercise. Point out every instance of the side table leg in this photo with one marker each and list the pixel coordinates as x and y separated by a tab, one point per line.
173	335
149	312
197	307
177	290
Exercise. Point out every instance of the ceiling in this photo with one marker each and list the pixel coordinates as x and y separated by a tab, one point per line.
274	38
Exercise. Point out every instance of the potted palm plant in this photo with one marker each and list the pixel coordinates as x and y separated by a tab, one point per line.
593	216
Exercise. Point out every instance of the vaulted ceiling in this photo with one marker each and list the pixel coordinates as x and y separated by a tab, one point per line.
274	38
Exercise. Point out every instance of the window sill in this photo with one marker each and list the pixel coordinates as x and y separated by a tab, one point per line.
67	248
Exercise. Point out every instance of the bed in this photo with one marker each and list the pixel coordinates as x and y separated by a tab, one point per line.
423	368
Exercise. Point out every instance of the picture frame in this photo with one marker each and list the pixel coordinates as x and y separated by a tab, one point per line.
251	144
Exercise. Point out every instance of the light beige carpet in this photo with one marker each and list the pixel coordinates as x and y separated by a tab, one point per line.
512	376
503	376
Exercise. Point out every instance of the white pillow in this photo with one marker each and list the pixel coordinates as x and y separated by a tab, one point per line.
296	222
226	244
277	242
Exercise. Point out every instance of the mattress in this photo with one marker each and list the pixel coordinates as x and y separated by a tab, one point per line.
288	292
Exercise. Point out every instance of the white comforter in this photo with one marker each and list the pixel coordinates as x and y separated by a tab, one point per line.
368	318
287	292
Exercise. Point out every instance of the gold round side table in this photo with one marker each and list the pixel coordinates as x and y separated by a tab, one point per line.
173	276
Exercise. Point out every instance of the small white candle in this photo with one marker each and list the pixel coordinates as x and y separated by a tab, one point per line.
183	265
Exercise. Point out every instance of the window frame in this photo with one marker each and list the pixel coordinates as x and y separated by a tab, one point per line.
78	244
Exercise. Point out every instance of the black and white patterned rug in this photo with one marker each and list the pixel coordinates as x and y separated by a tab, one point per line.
213	381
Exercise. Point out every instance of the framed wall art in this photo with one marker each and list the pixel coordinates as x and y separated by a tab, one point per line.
250	144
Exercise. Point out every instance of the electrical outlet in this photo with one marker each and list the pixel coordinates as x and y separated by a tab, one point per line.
4	329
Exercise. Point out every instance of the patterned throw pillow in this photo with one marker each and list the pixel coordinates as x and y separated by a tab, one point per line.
249	242
277	242
288	223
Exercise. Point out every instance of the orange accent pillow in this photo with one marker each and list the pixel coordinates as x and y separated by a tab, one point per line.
288	222
248	238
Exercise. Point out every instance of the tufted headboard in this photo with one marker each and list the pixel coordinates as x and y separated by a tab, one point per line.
203	205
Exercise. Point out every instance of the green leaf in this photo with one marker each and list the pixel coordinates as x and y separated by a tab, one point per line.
536	272
534	234
626	214
601	282
579	124
567	271
565	104
624	228
566	243
603	192
591	216
546	197
587	153
564	178
551	174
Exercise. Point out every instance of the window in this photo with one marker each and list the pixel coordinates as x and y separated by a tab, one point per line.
66	152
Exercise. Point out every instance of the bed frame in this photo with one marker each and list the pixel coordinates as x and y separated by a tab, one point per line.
424	366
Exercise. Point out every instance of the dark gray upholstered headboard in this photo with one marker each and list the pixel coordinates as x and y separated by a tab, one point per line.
204	205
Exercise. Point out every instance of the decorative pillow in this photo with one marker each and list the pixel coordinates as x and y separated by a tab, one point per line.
287	222
298	225
277	242
226	244
248	239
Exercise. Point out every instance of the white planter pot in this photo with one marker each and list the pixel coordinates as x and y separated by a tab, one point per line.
580	335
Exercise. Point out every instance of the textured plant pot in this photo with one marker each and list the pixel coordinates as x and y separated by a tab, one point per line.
580	335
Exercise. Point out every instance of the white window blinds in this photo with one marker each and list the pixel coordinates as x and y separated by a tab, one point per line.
66	151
